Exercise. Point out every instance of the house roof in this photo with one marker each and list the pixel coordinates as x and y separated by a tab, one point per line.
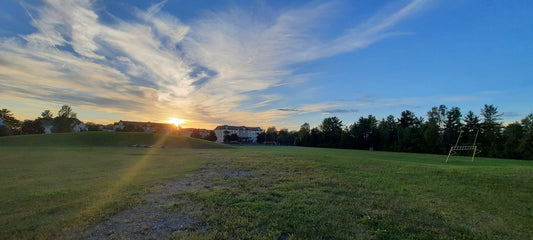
146	123
226	127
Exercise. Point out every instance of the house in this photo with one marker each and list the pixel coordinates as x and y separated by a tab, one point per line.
79	126
245	134
148	127
47	124
187	132
76	125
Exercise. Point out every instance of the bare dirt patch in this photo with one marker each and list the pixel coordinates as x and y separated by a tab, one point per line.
167	210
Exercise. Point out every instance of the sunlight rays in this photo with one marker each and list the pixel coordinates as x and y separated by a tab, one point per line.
109	195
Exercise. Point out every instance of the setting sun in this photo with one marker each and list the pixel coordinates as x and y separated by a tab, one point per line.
176	121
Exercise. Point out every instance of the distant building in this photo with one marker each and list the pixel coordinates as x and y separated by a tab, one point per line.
47	124
148	127
187	132
76	125
245	134
79	126
108	128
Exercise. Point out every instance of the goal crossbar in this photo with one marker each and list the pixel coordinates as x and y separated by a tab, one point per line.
455	148
463	148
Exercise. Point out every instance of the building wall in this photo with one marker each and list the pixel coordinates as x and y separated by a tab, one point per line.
242	132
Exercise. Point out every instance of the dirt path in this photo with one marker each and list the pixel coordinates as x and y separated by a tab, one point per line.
160	217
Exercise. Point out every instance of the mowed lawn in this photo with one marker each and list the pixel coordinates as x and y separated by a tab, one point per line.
62	182
50	189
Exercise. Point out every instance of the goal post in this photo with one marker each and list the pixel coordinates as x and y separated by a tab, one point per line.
456	147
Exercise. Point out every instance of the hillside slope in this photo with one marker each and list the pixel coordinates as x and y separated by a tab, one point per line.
108	139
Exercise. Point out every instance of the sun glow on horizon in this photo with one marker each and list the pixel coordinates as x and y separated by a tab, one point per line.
176	121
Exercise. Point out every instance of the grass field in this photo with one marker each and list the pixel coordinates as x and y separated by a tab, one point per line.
56	184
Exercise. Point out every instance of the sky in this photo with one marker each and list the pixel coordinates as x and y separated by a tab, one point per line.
264	63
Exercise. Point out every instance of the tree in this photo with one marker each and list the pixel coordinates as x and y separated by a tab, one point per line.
32	127
347	138
234	137
388	133
512	135
271	134
11	124
526	145
365	133
227	138
3	130
47	114
304	135
407	119
331	129
211	137
93	127
66	112
409	136
316	137
66	119
196	134
431	135
285	137
437	116
527	124
452	126
471	127
491	128
261	137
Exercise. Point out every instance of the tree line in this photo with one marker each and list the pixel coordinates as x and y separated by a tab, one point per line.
65	121
443	128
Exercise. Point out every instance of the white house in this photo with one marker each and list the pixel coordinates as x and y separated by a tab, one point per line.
47	125
76	125
148	127
79	126
245	134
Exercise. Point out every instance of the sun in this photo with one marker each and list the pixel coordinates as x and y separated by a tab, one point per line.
176	121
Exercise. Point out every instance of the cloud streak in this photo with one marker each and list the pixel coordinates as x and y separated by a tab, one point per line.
210	70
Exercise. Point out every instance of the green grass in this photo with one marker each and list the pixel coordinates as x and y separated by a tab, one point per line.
106	139
64	183
52	184
306	193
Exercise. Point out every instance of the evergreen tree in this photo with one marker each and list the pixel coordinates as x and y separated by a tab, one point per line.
452	127
331	129
11	126
409	134
490	130
526	144
471	127
512	135
388	133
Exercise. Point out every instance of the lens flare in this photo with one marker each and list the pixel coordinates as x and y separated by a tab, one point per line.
176	121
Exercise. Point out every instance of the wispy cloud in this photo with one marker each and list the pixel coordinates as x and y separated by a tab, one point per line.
156	65
288	110
511	114
340	111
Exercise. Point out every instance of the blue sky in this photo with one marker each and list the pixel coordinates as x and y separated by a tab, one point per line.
264	63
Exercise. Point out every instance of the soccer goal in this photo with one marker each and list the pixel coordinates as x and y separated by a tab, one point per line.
455	148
